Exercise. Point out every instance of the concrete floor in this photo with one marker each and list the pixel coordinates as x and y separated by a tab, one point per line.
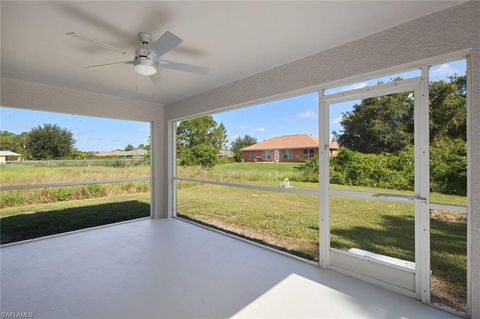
170	268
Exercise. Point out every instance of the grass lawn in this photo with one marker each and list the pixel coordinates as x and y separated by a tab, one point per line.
24	175
26	222
266	174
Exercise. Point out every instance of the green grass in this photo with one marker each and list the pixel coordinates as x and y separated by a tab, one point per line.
24	175
237	172
60	194
27	222
265	174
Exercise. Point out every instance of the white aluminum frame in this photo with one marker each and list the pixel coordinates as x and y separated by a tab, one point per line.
420	197
421	84
324	179
422	186
172	168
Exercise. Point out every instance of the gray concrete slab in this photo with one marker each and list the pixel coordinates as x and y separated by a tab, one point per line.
167	268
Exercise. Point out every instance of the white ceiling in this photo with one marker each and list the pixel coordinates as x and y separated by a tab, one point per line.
234	39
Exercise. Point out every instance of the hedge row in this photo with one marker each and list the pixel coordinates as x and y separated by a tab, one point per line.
448	168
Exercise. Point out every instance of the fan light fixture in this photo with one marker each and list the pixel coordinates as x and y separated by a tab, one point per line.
143	69
144	65
147	56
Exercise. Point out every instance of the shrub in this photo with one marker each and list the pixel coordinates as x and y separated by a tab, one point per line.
448	167
202	154
63	193
385	170
309	171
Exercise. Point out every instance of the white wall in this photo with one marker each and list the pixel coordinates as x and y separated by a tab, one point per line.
451	30
30	95
36	96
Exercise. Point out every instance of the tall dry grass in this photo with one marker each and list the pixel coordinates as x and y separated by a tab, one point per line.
58	194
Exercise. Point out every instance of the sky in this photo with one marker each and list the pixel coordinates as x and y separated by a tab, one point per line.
90	133
299	115
295	115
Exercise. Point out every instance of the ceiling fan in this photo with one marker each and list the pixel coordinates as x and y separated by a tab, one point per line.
147	56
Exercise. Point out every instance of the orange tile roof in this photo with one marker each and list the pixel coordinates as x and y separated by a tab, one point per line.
288	142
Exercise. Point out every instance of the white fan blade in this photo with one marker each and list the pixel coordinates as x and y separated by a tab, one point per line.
184	67
97	43
165	43
108	64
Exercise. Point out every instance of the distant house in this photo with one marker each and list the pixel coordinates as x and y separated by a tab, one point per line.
9	156
225	153
126	154
286	148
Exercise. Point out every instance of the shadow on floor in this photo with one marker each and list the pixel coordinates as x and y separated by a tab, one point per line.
33	225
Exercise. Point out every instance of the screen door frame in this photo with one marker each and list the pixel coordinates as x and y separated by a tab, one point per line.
412	282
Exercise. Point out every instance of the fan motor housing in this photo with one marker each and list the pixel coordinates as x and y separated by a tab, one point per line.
142	58
143	64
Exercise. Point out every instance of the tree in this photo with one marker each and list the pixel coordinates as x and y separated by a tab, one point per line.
13	142
378	124
49	141
202	154
239	143
448	111
129	147
385	124
201	136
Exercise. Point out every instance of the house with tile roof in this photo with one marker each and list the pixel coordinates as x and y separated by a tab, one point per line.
8	156
285	148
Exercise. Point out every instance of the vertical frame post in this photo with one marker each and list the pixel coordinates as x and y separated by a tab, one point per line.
324	179
422	187
473	184
158	193
172	168
152	172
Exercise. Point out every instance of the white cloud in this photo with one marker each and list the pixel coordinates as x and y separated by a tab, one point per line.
234	137
338	119
358	85
307	114
243	127
260	129
443	71
349	87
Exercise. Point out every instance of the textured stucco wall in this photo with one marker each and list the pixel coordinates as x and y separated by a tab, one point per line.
30	95
446	31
